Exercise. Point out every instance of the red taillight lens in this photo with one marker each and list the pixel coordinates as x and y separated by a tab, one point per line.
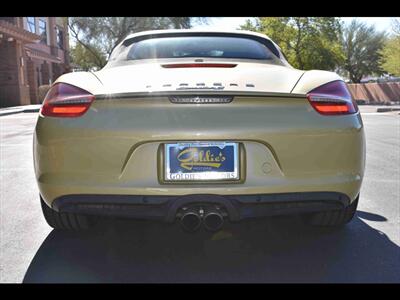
65	100
332	98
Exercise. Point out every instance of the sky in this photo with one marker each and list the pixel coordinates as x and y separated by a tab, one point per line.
231	23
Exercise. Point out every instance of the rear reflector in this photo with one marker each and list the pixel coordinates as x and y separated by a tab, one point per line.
332	98
65	100
68	110
202	65
329	108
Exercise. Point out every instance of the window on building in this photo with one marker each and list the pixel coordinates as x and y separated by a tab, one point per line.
60	38
31	24
43	31
39	76
8	19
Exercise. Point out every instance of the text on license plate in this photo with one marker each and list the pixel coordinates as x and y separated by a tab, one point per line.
201	161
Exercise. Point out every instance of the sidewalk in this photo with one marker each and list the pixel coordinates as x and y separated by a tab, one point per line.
19	109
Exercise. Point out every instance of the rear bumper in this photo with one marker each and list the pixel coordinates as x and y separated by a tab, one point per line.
165	208
113	149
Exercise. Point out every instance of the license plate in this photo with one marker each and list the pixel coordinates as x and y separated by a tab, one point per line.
202	161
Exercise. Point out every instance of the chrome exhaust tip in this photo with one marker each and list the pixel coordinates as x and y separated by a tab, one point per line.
213	221
190	221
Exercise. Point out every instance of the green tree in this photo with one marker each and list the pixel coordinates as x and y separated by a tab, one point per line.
362	45
390	61
100	35
86	60
308	42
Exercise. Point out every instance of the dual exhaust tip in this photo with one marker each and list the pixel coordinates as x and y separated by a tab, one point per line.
212	220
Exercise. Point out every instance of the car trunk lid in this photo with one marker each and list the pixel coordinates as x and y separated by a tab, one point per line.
216	75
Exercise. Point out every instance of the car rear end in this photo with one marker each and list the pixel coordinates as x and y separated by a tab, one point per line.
236	151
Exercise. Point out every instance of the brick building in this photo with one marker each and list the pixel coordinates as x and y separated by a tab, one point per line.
33	52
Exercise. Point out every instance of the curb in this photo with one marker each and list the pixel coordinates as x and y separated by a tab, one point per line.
7	112
386	109
10	113
28	110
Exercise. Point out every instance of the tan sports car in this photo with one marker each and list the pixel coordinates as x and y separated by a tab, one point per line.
198	127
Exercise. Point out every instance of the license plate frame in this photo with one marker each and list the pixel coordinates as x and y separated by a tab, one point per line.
205	170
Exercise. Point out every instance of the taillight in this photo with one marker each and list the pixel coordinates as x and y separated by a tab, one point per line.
332	98
65	100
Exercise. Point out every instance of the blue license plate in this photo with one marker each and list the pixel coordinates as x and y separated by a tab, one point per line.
190	161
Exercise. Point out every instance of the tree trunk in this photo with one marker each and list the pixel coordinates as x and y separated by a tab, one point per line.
298	45
75	35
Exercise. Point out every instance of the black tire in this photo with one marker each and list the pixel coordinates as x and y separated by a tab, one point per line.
333	218
64	221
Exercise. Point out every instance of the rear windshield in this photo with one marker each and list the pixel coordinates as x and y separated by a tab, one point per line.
194	46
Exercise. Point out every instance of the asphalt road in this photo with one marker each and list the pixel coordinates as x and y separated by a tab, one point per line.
279	249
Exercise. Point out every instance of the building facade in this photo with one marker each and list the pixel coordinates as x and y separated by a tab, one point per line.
34	51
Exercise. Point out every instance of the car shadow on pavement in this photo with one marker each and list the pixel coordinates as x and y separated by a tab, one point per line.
279	249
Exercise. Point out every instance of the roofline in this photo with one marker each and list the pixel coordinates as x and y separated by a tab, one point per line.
166	31
238	32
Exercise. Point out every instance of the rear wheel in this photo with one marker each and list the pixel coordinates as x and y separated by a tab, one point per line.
333	218
64	221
